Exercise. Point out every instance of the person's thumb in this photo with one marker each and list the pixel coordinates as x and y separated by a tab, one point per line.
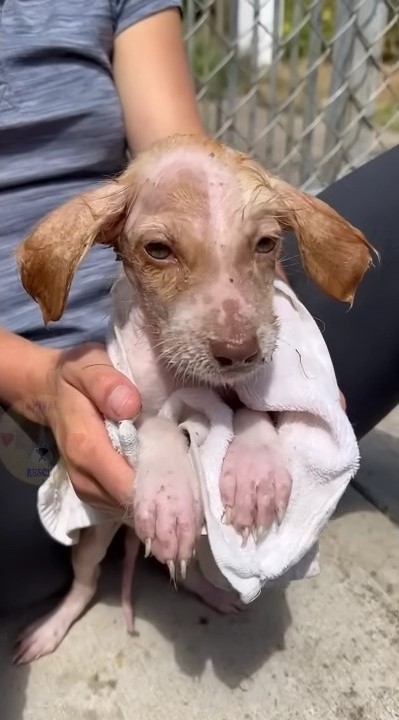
89	369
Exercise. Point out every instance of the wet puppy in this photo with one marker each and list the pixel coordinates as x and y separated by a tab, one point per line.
197	227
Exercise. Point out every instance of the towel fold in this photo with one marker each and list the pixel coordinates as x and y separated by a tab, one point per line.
318	442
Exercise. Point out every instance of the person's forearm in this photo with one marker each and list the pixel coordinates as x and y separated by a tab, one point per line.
154	81
23	370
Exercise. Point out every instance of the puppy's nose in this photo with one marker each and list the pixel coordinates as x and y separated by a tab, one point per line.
229	353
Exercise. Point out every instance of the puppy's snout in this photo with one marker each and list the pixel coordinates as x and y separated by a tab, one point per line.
228	353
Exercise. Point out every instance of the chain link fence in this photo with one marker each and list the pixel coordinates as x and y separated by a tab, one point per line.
309	87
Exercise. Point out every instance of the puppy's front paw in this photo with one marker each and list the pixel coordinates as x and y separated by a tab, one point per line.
167	510
255	488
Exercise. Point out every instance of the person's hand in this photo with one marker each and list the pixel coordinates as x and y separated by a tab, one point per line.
83	387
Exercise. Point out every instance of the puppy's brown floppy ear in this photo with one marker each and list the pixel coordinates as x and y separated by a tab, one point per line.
334	253
49	257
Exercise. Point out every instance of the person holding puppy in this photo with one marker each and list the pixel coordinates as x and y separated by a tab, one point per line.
82	85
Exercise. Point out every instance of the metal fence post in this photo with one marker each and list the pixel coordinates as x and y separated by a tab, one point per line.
232	82
334	116
371	19
310	108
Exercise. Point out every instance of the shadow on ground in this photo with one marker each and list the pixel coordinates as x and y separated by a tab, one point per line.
13	682
236	645
378	478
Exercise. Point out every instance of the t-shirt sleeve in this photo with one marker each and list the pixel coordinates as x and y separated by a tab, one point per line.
129	12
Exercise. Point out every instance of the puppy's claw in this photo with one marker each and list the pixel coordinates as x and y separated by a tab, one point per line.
260	532
263	530
147	551
227	516
172	570
183	569
245	535
280	514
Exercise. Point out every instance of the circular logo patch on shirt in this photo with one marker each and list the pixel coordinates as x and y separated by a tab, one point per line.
26	456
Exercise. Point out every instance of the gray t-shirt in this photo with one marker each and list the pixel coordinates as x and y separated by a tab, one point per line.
61	132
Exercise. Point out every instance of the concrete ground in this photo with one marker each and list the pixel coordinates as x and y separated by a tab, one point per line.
323	649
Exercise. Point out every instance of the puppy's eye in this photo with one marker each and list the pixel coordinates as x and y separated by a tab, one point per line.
159	251
265	245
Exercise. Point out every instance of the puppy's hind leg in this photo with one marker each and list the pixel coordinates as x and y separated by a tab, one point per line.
132	545
44	636
205	580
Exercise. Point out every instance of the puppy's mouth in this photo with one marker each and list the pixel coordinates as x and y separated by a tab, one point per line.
205	370
230	374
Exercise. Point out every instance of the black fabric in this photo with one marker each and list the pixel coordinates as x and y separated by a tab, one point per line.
32	566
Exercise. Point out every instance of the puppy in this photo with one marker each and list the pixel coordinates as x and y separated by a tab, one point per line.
197	227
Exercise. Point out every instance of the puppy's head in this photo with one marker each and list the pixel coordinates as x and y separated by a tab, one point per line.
197	227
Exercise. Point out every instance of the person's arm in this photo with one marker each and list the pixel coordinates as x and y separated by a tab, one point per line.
153	79
23	366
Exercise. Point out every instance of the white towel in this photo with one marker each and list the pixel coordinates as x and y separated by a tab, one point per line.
318	442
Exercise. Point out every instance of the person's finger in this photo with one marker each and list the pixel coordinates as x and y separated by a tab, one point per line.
94	455
92	373
86	447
